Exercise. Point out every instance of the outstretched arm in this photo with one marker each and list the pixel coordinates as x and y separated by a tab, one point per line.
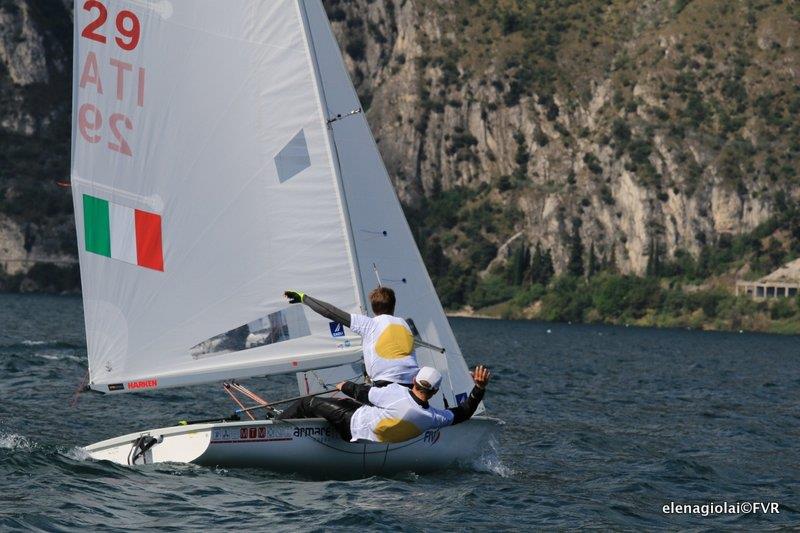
323	308
465	411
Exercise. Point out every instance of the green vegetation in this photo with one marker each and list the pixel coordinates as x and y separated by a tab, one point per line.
620	299
463	221
673	293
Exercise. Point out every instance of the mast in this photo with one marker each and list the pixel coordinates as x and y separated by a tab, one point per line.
333	152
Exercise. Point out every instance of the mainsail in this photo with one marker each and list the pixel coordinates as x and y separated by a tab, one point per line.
207	178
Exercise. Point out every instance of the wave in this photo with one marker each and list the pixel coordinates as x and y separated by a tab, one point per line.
50	343
77	454
489	461
21	443
58	357
14	441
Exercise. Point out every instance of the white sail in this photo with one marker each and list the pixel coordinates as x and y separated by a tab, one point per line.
207	179
204	185
379	228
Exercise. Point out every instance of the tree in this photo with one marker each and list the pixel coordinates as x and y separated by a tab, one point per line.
611	264
435	259
519	264
575	265
703	263
536	263
547	270
594	262
776	253
541	270
654	258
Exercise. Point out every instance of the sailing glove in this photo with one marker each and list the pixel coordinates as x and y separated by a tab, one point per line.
295	297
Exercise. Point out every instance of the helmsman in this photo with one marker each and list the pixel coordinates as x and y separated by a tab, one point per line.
392	413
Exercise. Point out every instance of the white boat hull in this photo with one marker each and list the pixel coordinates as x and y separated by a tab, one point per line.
309	447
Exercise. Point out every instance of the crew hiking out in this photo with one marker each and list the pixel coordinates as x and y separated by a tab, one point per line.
392	413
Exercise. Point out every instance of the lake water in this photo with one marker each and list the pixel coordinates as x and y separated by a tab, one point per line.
605	425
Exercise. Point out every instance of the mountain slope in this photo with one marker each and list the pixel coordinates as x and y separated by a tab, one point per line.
620	130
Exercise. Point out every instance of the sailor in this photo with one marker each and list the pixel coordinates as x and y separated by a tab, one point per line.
392	413
388	343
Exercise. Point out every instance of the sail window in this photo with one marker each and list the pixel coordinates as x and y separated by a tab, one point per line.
286	324
293	158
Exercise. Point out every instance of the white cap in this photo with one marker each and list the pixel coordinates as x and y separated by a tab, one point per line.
429	378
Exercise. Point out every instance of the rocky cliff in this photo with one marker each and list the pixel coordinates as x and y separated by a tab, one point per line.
642	125
632	128
37	239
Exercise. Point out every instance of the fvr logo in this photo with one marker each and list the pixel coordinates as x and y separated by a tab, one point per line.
432	436
337	330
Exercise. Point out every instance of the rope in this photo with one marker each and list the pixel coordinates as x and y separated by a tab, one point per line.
226	386
75	395
269	405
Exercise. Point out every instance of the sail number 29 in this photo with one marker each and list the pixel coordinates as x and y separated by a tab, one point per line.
99	69
128	26
90	119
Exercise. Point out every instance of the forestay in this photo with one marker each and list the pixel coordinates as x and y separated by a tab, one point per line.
204	185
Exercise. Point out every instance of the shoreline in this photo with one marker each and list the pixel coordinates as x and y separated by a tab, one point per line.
649	320
768	326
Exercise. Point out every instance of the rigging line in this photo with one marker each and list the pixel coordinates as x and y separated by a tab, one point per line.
339	116
84	382
235	399
247	392
320	380
356	262
333	151
377	274
269	405
423	344
279	402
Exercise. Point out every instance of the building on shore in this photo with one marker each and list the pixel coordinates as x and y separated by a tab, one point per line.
783	283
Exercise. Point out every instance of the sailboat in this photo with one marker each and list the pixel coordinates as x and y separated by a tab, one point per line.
220	156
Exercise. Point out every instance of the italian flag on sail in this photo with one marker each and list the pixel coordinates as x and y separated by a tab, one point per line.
119	232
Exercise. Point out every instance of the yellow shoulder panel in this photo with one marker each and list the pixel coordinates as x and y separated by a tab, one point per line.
395	342
396	430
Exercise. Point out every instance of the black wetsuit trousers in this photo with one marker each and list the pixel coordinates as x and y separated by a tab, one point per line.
337	411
